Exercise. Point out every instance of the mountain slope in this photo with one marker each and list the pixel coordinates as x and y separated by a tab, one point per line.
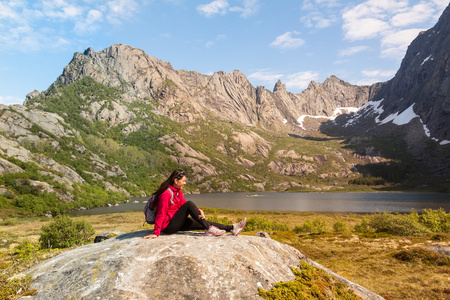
420	89
413	107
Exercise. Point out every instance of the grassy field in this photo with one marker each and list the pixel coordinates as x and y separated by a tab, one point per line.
396	267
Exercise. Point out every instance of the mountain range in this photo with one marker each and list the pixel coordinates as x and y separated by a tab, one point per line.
116	121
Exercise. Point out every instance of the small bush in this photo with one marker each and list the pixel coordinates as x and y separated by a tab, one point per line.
368	181
317	226
13	288
309	283
435	220
26	251
216	219
258	223
397	224
363	227
339	226
64	232
423	255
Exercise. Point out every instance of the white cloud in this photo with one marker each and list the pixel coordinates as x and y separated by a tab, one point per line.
416	14
301	79
352	50
120	10
296	81
378	73
390	21
30	25
287	41
394	45
93	18
359	29
250	7
265	76
219	37
209	44
222	7
372	76
214	8
314	4
318	20
8	100
60	9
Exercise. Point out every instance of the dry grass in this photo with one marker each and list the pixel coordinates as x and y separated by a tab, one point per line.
367	259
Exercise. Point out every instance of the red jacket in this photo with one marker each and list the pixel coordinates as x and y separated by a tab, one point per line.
166	210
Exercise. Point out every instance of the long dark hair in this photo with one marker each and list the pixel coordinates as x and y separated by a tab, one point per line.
177	174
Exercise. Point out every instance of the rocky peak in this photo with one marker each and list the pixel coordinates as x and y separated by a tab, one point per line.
279	86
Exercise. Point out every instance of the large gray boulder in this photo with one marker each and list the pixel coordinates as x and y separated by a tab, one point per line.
180	266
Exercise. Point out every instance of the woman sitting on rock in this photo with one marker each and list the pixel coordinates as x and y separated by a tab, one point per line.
172	212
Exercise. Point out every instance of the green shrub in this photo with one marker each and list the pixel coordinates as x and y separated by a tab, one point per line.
216	219
423	255
435	220
39	204
13	288
309	283
368	181
63	233
258	223
26	250
363	227
339	226
397	224
317	226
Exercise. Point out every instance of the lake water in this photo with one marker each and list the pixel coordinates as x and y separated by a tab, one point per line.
313	202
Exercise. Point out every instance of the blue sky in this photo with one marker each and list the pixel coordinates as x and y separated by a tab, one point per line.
361	42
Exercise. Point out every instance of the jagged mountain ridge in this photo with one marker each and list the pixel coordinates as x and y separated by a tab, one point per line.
419	94
187	96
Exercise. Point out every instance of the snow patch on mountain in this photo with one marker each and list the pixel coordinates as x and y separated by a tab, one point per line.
338	111
426	59
375	108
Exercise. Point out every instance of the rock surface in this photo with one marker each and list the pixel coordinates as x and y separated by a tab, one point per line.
182	266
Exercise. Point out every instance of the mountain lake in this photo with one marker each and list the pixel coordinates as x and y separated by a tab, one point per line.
312	202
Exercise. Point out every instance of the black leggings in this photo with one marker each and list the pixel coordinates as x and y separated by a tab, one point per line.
181	221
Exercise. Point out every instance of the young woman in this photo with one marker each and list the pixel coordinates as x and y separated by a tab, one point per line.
173	211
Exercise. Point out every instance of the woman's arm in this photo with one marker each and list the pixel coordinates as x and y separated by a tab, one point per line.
161	214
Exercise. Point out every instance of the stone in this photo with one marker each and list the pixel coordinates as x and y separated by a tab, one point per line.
106	235
263	234
8	167
181	266
440	249
292	169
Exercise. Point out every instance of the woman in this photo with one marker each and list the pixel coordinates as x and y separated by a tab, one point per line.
173	211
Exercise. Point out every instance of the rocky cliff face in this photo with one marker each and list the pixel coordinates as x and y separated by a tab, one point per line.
414	106
181	266
188	96
419	94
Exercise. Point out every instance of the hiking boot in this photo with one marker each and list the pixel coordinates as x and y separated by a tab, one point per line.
213	230
237	227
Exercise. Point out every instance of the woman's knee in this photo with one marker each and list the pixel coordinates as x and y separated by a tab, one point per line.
191	204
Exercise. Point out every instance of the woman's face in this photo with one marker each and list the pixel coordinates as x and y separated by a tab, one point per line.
179	183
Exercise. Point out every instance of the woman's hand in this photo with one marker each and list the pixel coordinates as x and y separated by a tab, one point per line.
201	215
151	236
